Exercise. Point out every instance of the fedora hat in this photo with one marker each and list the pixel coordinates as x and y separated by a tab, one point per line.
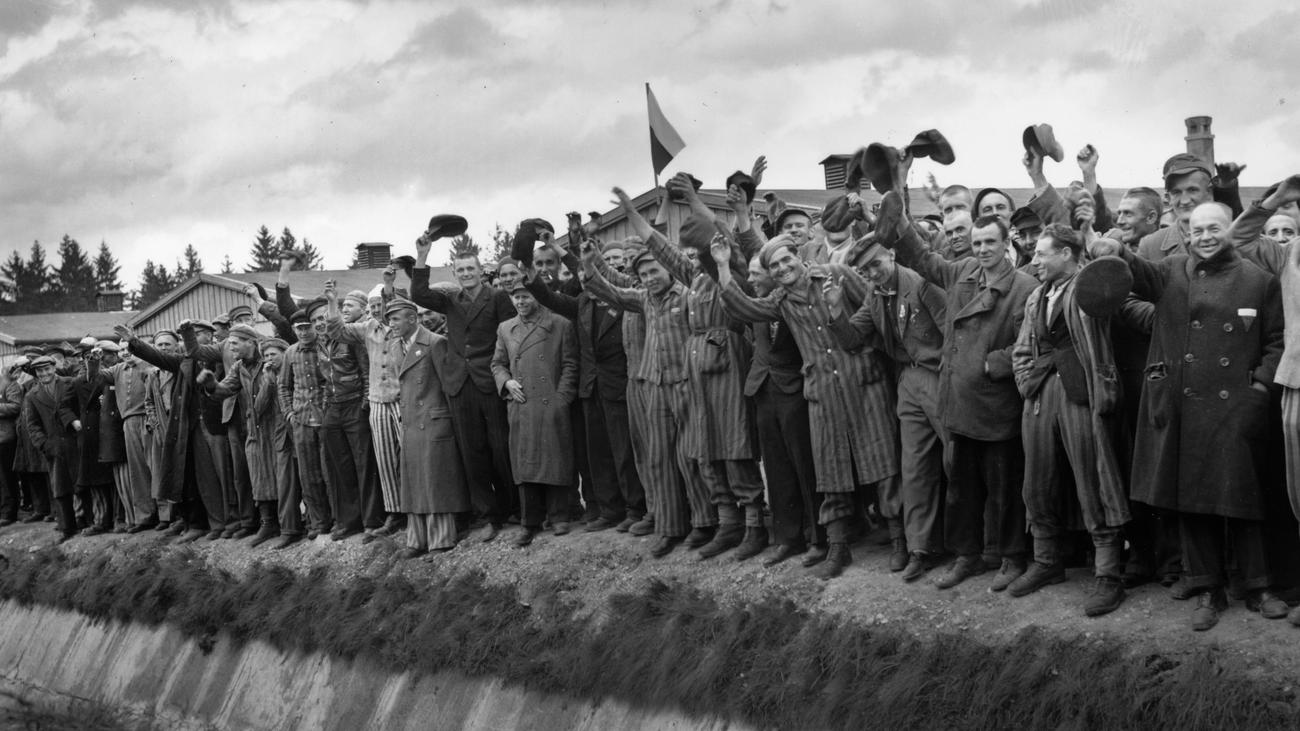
446	224
932	144
1041	139
1102	285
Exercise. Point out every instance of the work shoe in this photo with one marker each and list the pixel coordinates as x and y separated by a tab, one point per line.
1036	577
230	531
191	535
490	533
7	522
1294	616
784	552
313	534
35	518
342	534
408	552
816	554
560	529
525	537
643	527
178	527
264	534
1107	594
726	538
214	535
753	544
138	528
1267	604
241	534
918	563
700	536
1181	590
625	525
93	530
664	545
898	559
600	524
1209	605
837	557
162	525
1010	570
286	541
960	570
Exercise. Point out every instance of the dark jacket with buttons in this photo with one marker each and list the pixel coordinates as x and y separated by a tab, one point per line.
1218	329
432	479
471	329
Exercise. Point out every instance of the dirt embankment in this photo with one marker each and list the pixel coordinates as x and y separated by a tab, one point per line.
596	585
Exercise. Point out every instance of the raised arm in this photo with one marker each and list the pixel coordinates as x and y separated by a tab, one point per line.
149	354
915	255
560	303
623	298
283	297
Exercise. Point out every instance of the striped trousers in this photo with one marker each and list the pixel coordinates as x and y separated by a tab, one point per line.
386	434
638	411
430	530
122	479
1291	438
1052	424
139	443
681	497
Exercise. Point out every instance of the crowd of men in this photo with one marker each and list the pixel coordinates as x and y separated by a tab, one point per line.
989	384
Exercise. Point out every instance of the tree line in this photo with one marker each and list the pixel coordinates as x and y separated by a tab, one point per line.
34	285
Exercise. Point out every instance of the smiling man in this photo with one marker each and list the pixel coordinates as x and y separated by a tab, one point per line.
478	413
1188	184
1216	343
1065	371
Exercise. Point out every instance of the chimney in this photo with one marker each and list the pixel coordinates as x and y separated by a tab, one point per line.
836	168
109	301
1200	141
374	255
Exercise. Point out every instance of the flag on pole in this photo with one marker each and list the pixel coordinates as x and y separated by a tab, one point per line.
665	143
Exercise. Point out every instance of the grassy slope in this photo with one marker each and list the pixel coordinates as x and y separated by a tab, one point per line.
767	662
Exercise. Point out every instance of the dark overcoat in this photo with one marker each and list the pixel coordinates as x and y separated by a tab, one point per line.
83	399
432	476
181	424
27	458
264	432
542	356
1201	426
49	426
471	329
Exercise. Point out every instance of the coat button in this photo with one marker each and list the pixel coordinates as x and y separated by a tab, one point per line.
1224	362
1187	392
1200	273
1223	395
1189	357
545	401
1227	327
1196	324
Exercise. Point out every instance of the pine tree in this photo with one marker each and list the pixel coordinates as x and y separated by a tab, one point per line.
502	241
31	282
265	254
193	265
155	281
227	266
464	245
14	271
107	270
315	260
73	286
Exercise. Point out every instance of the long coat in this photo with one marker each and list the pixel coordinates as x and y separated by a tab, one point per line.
11	408
542	356
1218	329
432	477
265	433
471	329
112	437
27	458
977	394
83	399
49	426
182	421
602	360
850	400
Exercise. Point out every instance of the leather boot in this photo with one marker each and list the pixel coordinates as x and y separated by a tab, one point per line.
1046	568
960	570
1107	594
837	557
816	554
270	527
700	536
898	557
727	538
753	544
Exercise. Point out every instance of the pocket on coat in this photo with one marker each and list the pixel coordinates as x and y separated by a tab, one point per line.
716	353
1156	377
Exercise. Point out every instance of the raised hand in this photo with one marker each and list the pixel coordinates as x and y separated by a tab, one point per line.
1087	159
1104	247
760	166
720	249
206	379
833	295
331	290
736	200
123	332
183	325
1227	173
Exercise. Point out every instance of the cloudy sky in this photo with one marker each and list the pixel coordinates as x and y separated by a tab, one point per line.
152	124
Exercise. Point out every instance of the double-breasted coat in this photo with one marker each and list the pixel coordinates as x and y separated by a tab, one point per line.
471	329
432	475
850	400
1218	329
256	390
27	458
49	426
84	398
978	398
542	355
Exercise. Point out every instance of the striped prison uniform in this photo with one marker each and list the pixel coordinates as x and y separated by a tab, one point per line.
680	496
385	356
850	403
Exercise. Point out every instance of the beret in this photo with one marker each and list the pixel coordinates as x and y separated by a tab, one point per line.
274	343
1102	285
168	333
245	331
357	296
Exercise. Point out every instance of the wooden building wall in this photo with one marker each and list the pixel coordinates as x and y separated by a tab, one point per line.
204	302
